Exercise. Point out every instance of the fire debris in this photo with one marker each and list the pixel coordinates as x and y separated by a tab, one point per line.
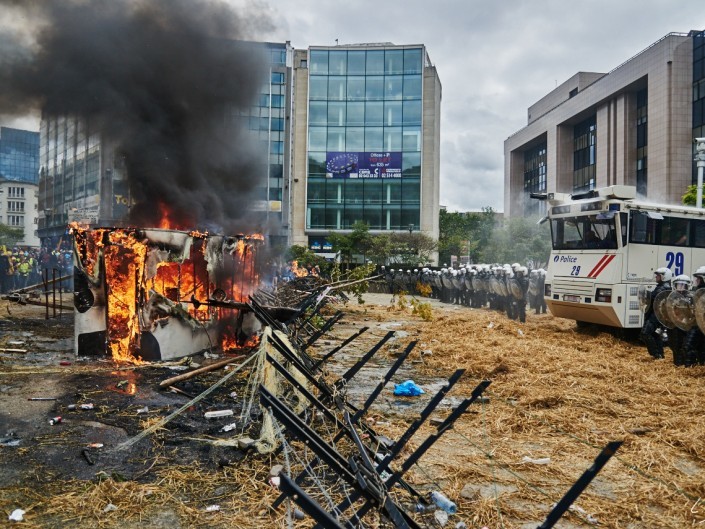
157	294
325	483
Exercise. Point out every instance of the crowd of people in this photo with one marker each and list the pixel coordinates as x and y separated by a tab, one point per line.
21	267
687	340
507	288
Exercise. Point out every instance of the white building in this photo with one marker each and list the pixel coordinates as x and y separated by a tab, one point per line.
18	209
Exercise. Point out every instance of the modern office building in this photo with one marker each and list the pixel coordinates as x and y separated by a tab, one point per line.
19	155
634	126
81	178
19	173
366	136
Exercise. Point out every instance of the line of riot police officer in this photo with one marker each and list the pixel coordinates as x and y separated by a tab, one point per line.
507	288
675	313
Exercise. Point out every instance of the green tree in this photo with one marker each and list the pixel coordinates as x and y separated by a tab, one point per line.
465	233
691	195
306	258
10	236
381	249
412	249
356	243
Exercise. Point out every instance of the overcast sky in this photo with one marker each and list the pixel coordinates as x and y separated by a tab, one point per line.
494	59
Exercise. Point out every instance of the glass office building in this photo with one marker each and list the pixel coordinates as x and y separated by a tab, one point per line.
80	171
371	139
19	155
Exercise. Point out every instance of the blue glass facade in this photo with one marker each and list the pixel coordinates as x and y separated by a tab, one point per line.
19	155
364	106
268	120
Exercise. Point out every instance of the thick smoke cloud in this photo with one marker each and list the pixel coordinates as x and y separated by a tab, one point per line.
162	80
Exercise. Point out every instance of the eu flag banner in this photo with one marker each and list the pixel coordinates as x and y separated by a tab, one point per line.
383	164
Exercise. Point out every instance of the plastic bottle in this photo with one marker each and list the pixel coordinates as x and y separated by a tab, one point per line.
443	503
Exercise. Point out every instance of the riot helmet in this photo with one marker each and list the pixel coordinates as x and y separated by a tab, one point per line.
681	283
665	274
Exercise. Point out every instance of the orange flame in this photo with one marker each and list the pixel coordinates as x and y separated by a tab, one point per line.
168	219
298	271
188	282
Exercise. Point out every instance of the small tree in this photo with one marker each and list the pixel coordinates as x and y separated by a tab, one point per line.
306	258
413	248
10	236
691	195
358	242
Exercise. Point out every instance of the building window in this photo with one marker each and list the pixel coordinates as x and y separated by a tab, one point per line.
573	93
584	154
15	192
534	179
641	141
15	220
277	56
15	206
277	78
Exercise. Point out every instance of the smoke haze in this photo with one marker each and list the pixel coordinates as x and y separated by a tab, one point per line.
161	79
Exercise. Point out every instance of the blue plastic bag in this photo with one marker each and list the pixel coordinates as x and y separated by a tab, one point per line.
407	389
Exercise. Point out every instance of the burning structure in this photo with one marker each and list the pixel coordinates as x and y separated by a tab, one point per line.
158	294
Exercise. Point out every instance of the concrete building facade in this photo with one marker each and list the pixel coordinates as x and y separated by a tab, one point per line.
366	138
634	126
18	209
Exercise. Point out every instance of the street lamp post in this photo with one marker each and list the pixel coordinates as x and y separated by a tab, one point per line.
700	161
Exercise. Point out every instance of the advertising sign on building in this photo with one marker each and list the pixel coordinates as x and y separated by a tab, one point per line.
319	244
83	215
363	164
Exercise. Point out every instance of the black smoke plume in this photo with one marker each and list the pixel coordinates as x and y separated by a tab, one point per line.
162	80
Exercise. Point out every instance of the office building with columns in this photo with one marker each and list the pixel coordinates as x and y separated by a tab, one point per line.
632	126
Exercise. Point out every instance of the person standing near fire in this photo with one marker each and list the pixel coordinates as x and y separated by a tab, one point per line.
23	270
648	335
6	271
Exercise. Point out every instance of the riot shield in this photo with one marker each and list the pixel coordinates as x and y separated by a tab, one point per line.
516	290
494	286
533	285
447	283
699	308
503	290
644	295
456	282
661	311
680	310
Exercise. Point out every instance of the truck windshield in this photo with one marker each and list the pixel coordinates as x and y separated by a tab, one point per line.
584	232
